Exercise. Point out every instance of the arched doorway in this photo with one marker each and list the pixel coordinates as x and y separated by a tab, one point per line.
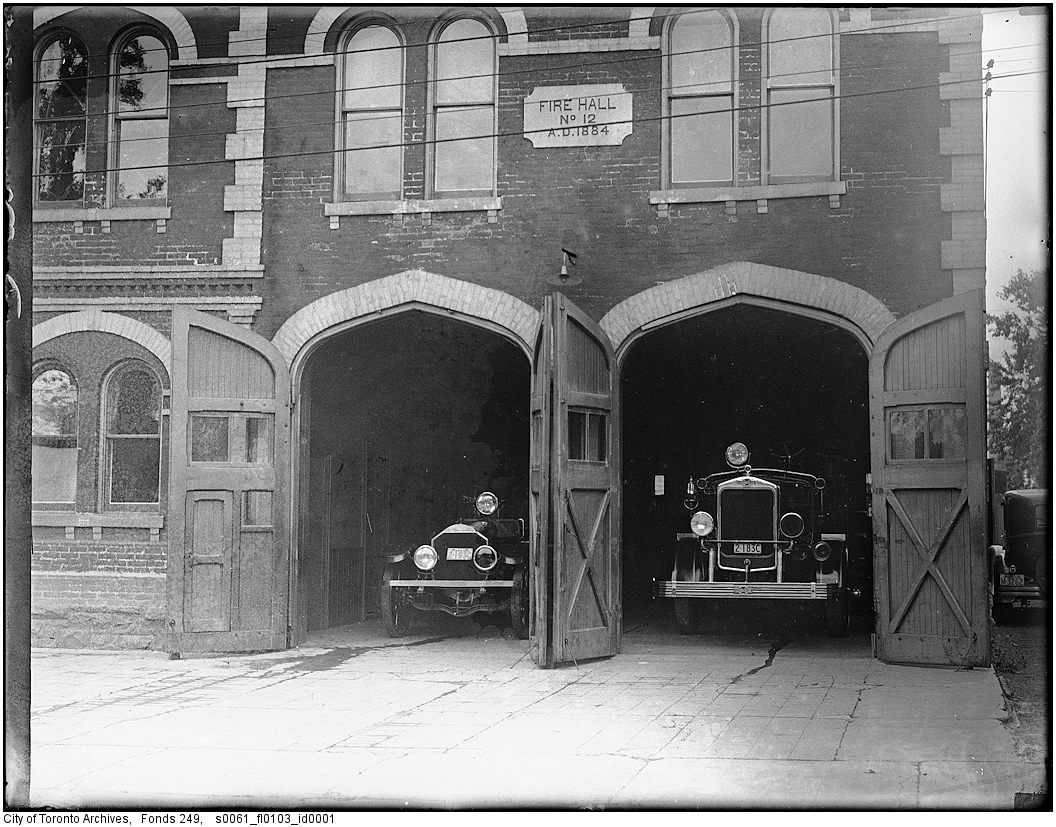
793	387
401	415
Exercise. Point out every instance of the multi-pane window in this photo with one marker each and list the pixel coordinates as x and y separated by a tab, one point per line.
54	437
938	432
463	93
700	99
132	426
371	103
141	119
801	96
61	111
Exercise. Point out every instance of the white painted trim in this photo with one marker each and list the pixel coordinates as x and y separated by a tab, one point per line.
43	215
318	28
106	273
516	25
168	16
413	206
795	291
639	23
469	301
97	320
691	195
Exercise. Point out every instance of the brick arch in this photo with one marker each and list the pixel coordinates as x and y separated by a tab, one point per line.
169	17
314	40
471	302
826	298
115	323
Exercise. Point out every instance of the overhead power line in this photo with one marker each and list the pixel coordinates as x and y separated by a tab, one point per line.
400	115
522	133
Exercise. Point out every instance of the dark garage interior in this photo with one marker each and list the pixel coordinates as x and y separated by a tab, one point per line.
402	418
779	382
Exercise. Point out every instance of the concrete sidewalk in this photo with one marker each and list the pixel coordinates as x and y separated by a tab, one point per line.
465	719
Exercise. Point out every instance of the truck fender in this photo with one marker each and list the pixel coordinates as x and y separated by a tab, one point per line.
995	556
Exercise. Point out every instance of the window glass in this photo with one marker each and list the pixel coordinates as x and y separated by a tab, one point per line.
701	140
464	109
142	119
62	101
465	63
133	436
800	134
947	433
372	112
907	434
54	438
209	439
701	54
258	440
586	436
463	164
800	47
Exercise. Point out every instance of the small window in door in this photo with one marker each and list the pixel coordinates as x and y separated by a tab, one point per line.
256	509
210	439
258	440
927	433
586	436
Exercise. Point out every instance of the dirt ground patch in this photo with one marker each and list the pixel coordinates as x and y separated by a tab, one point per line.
1021	658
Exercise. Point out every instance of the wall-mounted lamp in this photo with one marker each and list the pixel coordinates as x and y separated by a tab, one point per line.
565	277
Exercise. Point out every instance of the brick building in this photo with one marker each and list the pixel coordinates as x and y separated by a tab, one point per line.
292	264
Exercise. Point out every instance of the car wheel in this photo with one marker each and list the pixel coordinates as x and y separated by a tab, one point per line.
394	613
838	614
519	604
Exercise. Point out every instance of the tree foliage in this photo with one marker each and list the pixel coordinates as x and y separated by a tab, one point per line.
1018	413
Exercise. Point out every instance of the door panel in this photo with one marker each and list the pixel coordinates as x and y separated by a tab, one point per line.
542	546
584	491
927	419
230	419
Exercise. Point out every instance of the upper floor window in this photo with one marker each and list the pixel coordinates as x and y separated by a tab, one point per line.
463	110
61	113
369	162
54	437
701	86
132	429
141	119
801	96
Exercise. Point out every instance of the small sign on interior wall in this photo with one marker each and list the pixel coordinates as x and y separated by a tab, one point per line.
658	485
592	115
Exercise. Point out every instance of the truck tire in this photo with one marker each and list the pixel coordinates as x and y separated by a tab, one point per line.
396	616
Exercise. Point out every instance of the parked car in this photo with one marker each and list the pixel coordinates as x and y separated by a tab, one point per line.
758	534
476	565
1020	567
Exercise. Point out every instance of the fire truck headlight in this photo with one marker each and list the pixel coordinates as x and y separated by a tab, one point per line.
702	524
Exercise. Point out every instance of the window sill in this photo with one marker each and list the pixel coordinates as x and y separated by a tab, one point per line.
760	194
70	520
424	207
78	215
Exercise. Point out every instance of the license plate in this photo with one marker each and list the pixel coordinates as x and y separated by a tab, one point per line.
1012	580
747	548
460	554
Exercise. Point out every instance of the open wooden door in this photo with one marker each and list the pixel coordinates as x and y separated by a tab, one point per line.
578	611
927	423
228	484
541	548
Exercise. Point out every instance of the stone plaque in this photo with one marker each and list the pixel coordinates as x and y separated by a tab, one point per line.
596	115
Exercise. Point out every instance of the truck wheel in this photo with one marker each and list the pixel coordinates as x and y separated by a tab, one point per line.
686	615
519	605
838	614
396	616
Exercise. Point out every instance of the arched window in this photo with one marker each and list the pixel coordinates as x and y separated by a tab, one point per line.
370	102
132	433
801	96
54	437
141	119
701	73
463	111
61	112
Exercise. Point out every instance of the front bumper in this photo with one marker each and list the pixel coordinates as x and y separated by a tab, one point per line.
759	591
454	584
1022	596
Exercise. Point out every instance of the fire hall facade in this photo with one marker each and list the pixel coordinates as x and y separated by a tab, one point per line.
303	276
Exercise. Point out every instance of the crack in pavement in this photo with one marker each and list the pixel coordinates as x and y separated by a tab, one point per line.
776	647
